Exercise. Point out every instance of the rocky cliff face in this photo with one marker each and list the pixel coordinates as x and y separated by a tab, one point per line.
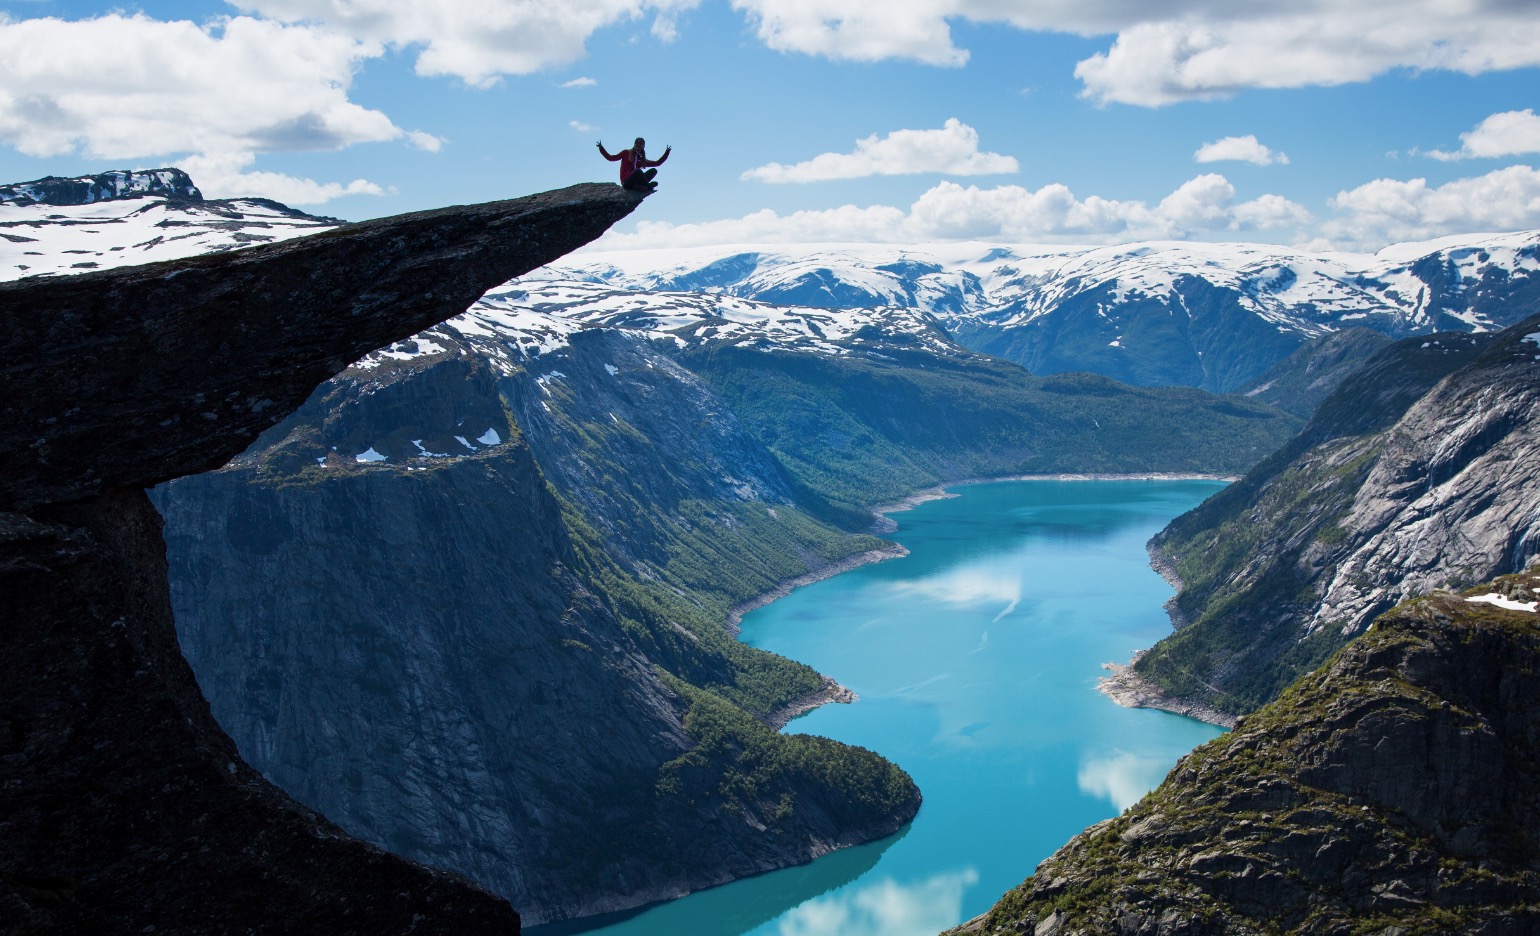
1390	791
127	809
500	647
1402	482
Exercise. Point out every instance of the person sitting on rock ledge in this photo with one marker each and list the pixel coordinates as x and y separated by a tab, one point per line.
636	170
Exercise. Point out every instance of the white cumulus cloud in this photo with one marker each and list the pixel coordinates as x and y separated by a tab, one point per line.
425	141
1179	50
1193	49
477	42
1389	210
1511	133
953	149
135	88
859	30
225	176
123	87
949	211
1270	212
1239	149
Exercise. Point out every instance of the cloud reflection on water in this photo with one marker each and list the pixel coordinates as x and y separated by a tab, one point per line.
1120	777
884	908
972	584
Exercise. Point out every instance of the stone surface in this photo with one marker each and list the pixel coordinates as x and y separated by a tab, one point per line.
173	368
125	808
1390	791
1421	471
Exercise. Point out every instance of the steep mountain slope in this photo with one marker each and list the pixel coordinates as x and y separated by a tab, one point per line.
1214	316
865	430
864	406
504	670
1405	480
127	809
1390	791
1301	381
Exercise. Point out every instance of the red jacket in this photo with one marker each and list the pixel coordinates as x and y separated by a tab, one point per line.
629	163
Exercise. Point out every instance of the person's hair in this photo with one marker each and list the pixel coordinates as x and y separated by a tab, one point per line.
639	142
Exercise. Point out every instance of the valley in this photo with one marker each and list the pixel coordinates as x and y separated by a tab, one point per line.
473	597
974	658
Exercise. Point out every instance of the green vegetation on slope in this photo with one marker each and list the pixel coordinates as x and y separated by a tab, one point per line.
743	766
1302	380
861	431
676	617
1391	790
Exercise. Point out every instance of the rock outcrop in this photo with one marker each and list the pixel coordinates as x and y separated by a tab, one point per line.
125	378
1390	791
125	808
1418	472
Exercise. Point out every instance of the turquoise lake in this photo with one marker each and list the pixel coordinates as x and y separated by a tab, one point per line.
975	659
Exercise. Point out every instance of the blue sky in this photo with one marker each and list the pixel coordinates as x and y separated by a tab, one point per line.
1322	123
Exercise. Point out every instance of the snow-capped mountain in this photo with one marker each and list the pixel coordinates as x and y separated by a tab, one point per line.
120	218
1208	315
1214	316
118	183
55	226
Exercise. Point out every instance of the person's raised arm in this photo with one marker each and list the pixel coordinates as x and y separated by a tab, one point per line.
661	159
612	157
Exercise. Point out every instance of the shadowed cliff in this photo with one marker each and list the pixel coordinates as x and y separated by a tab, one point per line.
126	808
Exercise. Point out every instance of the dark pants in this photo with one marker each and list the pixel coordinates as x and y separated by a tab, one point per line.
640	180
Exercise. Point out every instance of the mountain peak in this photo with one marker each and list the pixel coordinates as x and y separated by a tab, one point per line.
104	186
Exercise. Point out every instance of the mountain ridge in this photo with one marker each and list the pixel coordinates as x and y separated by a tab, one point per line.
1214	316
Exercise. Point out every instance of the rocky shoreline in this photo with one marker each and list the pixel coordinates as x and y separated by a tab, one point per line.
831	691
883	524
1167	570
1130	690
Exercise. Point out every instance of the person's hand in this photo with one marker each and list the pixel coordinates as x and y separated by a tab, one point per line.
599	143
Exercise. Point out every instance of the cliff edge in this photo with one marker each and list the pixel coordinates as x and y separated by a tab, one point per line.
126	808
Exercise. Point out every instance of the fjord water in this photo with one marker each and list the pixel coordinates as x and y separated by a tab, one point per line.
975	659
